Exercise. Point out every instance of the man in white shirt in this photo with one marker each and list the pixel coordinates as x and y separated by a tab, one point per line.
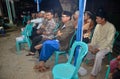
38	22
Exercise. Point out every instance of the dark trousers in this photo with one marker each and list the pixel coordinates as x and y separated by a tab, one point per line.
35	42
33	34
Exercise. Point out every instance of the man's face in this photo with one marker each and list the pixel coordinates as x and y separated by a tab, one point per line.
49	16
99	20
40	15
65	18
45	16
86	17
75	16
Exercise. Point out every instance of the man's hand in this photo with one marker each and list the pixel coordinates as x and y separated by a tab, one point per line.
28	22
59	33
38	32
42	26
95	50
90	48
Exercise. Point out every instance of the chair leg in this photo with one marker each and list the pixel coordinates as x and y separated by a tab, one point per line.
29	43
107	72
109	57
56	58
18	47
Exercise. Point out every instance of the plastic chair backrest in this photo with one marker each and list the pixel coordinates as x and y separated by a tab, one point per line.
82	52
72	40
64	52
56	27
116	35
27	30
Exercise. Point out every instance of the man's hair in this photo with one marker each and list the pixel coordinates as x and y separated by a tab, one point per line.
50	11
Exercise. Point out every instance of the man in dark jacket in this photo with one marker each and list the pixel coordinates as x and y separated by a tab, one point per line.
60	42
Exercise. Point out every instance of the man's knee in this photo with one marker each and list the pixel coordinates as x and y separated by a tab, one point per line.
99	55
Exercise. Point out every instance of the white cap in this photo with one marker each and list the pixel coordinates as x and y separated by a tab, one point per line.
42	12
77	12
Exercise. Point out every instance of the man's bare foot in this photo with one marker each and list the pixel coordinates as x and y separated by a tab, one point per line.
30	54
92	77
41	64
37	47
110	76
41	67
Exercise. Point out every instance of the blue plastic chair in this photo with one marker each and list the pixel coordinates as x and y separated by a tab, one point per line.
26	33
68	70
57	53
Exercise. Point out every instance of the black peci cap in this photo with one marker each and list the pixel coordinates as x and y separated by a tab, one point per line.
67	13
101	13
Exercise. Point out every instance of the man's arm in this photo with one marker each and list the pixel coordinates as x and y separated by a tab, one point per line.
69	30
38	20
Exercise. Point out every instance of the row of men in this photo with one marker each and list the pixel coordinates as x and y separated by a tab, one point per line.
48	41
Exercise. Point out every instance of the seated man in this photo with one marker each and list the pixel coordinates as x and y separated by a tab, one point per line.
38	22
61	41
88	24
101	43
48	32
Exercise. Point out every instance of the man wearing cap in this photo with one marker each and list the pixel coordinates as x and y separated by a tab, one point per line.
39	17
75	18
101	43
60	42
36	23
